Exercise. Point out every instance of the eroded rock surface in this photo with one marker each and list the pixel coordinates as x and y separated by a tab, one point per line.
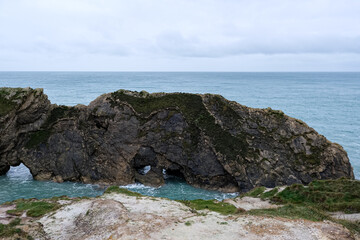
129	215
117	216
210	141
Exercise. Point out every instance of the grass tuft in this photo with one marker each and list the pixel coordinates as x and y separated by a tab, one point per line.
212	205
255	192
33	208
269	194
12	231
116	189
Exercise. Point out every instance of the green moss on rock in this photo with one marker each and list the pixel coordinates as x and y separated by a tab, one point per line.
192	108
276	113
312	159
59	113
9	99
37	138
42	135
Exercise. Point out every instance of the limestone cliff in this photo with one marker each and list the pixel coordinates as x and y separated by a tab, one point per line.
210	141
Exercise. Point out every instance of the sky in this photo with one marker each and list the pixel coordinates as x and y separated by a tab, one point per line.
180	35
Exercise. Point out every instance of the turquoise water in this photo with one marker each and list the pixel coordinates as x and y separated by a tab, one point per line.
328	102
18	183
177	189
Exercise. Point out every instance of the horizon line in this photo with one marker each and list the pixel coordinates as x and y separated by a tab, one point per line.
3	71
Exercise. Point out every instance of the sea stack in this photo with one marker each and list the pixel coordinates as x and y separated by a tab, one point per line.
211	142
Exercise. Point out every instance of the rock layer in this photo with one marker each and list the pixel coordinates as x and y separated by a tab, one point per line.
212	142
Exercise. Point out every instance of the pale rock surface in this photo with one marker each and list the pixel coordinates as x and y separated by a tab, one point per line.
118	216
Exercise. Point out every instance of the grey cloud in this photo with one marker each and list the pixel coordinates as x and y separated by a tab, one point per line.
173	43
74	47
141	34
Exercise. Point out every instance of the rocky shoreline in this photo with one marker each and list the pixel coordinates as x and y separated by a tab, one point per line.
211	142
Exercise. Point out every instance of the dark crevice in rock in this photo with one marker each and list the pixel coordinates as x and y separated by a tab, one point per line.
4	169
175	172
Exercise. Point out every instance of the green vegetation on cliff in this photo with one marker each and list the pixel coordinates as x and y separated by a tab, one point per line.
293	212
116	189
33	208
195	113
211	205
255	192
37	138
12	230
260	193
313	202
328	195
43	135
9	98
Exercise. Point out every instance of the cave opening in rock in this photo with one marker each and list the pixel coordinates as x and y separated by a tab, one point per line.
168	173
143	170
4	169
20	172
18	168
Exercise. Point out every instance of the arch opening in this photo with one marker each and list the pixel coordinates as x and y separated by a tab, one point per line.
4	169
143	170
169	173
19	172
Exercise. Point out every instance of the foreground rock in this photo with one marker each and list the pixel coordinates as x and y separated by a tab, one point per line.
325	209
123	216
212	142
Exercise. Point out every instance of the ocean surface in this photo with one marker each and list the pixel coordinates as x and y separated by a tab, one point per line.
328	102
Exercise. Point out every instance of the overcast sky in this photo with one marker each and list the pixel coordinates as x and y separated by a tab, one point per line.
180	35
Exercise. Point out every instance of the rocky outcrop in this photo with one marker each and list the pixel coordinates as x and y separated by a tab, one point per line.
212	142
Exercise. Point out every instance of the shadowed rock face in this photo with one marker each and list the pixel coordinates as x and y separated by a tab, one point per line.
210	141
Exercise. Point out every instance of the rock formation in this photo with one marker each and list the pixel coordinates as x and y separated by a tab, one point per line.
212	142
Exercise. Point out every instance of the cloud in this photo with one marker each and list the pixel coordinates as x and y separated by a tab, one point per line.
173	43
113	30
176	44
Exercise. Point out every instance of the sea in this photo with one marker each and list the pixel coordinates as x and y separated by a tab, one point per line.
329	102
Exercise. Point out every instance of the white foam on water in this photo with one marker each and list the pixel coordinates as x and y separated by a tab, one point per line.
177	189
137	186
